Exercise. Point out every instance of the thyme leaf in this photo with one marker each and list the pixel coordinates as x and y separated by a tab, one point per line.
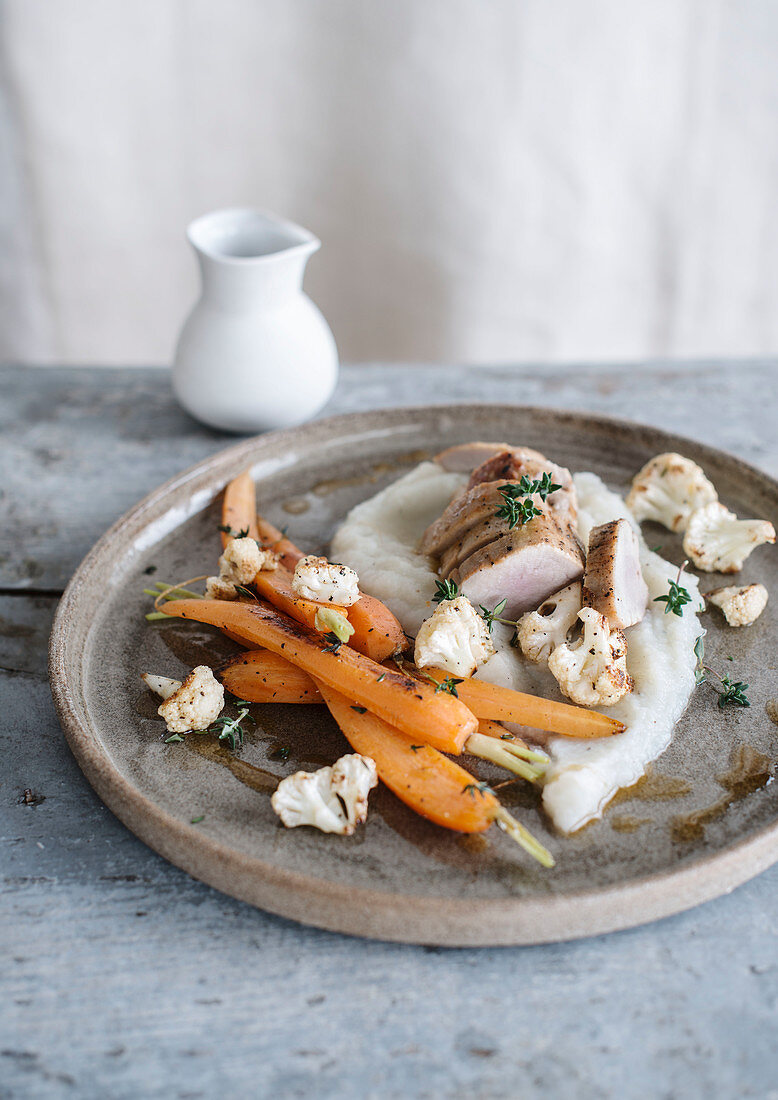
516	512
449	685
481	788
733	693
445	590
677	596
227	530
493	616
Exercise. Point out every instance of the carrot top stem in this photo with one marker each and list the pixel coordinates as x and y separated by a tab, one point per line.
508	823
488	748
171	591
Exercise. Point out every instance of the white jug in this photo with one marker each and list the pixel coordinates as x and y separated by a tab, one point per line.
255	353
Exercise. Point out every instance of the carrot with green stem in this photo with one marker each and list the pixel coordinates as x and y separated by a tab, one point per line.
371	626
568	721
423	710
253	676
428	782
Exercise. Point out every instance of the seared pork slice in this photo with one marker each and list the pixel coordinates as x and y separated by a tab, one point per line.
468	508
515	462
523	567
613	580
472	539
464	457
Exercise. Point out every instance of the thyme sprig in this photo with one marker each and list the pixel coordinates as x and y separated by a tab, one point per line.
445	590
519	506
231	728
542	486
517	512
677	596
731	693
493	616
449	685
333	642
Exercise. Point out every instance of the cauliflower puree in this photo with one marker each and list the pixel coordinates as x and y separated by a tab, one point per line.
379	538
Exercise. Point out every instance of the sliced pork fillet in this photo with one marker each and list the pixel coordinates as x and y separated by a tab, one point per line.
516	462
613	580
489	529
523	566
468	508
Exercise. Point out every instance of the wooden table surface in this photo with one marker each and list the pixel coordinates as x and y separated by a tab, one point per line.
123	977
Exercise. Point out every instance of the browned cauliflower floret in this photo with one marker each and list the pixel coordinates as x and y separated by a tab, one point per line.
196	704
593	670
454	638
325	582
718	542
333	800
741	606
668	489
217	588
239	564
540	632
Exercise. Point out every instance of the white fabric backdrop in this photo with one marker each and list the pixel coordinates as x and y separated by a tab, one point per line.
492	179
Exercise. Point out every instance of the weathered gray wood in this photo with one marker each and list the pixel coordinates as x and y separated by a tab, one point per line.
121	977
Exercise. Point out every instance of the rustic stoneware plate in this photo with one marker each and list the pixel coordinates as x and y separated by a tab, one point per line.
699	825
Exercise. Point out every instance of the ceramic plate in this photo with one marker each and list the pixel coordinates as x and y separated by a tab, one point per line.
687	833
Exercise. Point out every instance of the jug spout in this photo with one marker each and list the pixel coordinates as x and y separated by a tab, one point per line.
242	251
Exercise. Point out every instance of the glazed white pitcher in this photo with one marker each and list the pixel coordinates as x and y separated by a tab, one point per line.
255	353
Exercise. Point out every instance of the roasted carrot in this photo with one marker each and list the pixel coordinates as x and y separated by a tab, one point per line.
276	540
239	513
377	633
276	587
239	508
245	676
487	700
417	708
424	779
271	680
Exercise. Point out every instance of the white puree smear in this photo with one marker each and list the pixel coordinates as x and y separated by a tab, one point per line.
379	538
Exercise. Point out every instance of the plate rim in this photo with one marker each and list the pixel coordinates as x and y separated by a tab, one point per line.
360	911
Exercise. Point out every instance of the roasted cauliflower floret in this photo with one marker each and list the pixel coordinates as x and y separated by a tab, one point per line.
332	799
239	564
668	489
718	542
593	670
741	606
540	632
454	638
325	582
217	588
195	704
